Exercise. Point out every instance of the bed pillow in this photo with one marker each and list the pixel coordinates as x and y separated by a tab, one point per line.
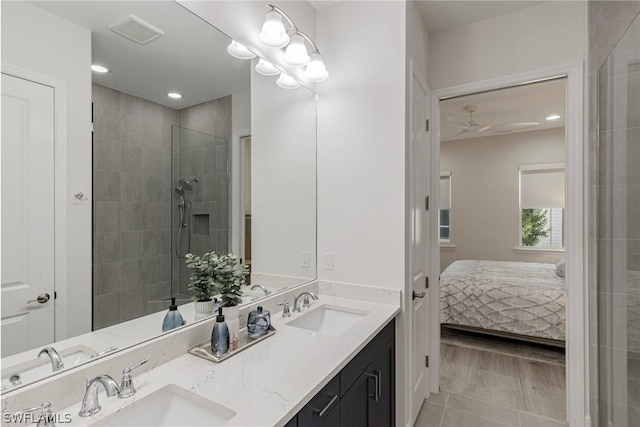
560	267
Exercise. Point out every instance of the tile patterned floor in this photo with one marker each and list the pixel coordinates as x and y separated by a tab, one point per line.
495	382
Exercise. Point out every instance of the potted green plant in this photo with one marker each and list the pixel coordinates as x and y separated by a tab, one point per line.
214	274
201	284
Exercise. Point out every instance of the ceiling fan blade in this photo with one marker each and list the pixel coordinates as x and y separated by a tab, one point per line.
460	123
484	128
457	134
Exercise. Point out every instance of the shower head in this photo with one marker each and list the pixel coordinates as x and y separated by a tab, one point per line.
185	183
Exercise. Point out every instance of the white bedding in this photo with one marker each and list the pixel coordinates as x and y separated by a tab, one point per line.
517	297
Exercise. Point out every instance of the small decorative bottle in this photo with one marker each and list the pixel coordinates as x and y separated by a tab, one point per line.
220	336
258	322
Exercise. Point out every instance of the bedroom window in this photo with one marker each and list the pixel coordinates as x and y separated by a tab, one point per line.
445	207
542	206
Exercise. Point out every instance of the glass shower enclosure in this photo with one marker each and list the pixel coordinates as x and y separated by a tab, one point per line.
618	212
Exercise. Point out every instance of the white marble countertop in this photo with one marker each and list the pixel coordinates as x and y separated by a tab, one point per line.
270	382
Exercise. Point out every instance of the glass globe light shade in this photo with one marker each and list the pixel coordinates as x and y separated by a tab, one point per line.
273	33
296	54
316	71
285	81
266	68
238	50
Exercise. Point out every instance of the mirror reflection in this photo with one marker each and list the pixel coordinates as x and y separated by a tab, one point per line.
193	152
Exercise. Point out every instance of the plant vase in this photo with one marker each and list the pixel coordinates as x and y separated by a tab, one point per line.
204	309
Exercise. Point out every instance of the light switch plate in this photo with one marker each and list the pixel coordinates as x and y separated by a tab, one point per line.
306	258
327	260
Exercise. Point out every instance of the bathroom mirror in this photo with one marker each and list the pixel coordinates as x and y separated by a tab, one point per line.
228	167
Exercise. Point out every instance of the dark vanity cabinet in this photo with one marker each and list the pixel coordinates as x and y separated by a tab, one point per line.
362	394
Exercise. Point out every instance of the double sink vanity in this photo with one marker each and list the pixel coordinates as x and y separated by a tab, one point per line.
331	364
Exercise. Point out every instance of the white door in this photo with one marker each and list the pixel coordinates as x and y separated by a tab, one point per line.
420	238
27	275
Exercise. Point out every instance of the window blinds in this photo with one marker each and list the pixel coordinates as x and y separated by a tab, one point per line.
542	188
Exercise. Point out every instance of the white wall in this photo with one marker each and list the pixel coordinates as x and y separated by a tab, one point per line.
485	192
551	33
361	154
40	42
283	179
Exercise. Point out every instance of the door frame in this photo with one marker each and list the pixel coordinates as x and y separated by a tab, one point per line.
237	190
61	306
576	158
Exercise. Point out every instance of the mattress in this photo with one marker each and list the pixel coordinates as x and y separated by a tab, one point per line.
515	297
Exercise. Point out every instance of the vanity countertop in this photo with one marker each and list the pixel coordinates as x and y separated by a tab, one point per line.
270	382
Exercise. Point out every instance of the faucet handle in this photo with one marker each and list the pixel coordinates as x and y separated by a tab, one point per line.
286	312
126	371
127	388
46	418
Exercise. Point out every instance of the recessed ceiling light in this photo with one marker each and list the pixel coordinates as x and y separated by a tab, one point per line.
174	95
99	68
553	117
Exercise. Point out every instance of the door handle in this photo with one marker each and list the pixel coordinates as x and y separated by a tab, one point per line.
321	412
42	298
418	295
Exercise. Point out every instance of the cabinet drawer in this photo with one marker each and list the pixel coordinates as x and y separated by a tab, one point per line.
321	406
357	366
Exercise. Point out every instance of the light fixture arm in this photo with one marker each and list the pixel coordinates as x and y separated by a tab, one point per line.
294	29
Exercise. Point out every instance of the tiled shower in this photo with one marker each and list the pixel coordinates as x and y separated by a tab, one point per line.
615	138
140	151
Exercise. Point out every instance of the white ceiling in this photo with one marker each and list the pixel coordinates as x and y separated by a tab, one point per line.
527	103
444	15
191	57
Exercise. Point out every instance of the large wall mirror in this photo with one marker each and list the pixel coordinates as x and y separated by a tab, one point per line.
230	166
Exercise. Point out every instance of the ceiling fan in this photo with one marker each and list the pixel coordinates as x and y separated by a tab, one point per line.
472	126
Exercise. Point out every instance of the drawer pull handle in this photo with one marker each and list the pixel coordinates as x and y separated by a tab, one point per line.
376	378
321	412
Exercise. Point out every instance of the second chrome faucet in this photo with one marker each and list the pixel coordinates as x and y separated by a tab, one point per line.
90	403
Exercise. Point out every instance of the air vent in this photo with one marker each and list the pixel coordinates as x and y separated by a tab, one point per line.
135	29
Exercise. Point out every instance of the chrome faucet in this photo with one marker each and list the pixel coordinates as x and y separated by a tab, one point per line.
56	360
305	301
265	290
90	404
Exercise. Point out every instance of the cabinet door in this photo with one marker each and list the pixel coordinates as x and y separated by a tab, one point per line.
382	394
293	422
355	403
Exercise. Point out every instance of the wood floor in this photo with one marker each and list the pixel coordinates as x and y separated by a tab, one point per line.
496	382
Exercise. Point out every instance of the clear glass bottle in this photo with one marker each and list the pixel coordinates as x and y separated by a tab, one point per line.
258	322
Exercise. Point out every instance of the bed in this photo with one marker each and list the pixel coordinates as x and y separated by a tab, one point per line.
516	299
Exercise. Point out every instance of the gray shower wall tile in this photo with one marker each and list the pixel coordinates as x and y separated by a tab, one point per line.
107	216
131	274
106	310
106	186
151	270
133	131
132	304
152	243
151	189
132	216
131	159
107	155
131	245
106	98
152	216
107	278
151	161
107	124
107	247
131	187
152	134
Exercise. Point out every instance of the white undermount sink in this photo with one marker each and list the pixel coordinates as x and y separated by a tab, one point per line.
170	406
327	319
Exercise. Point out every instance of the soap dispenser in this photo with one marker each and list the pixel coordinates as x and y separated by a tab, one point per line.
258	322
173	318
220	336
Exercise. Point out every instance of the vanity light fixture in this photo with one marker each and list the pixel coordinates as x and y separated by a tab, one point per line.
99	68
174	95
285	81
240	51
266	68
553	117
292	41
